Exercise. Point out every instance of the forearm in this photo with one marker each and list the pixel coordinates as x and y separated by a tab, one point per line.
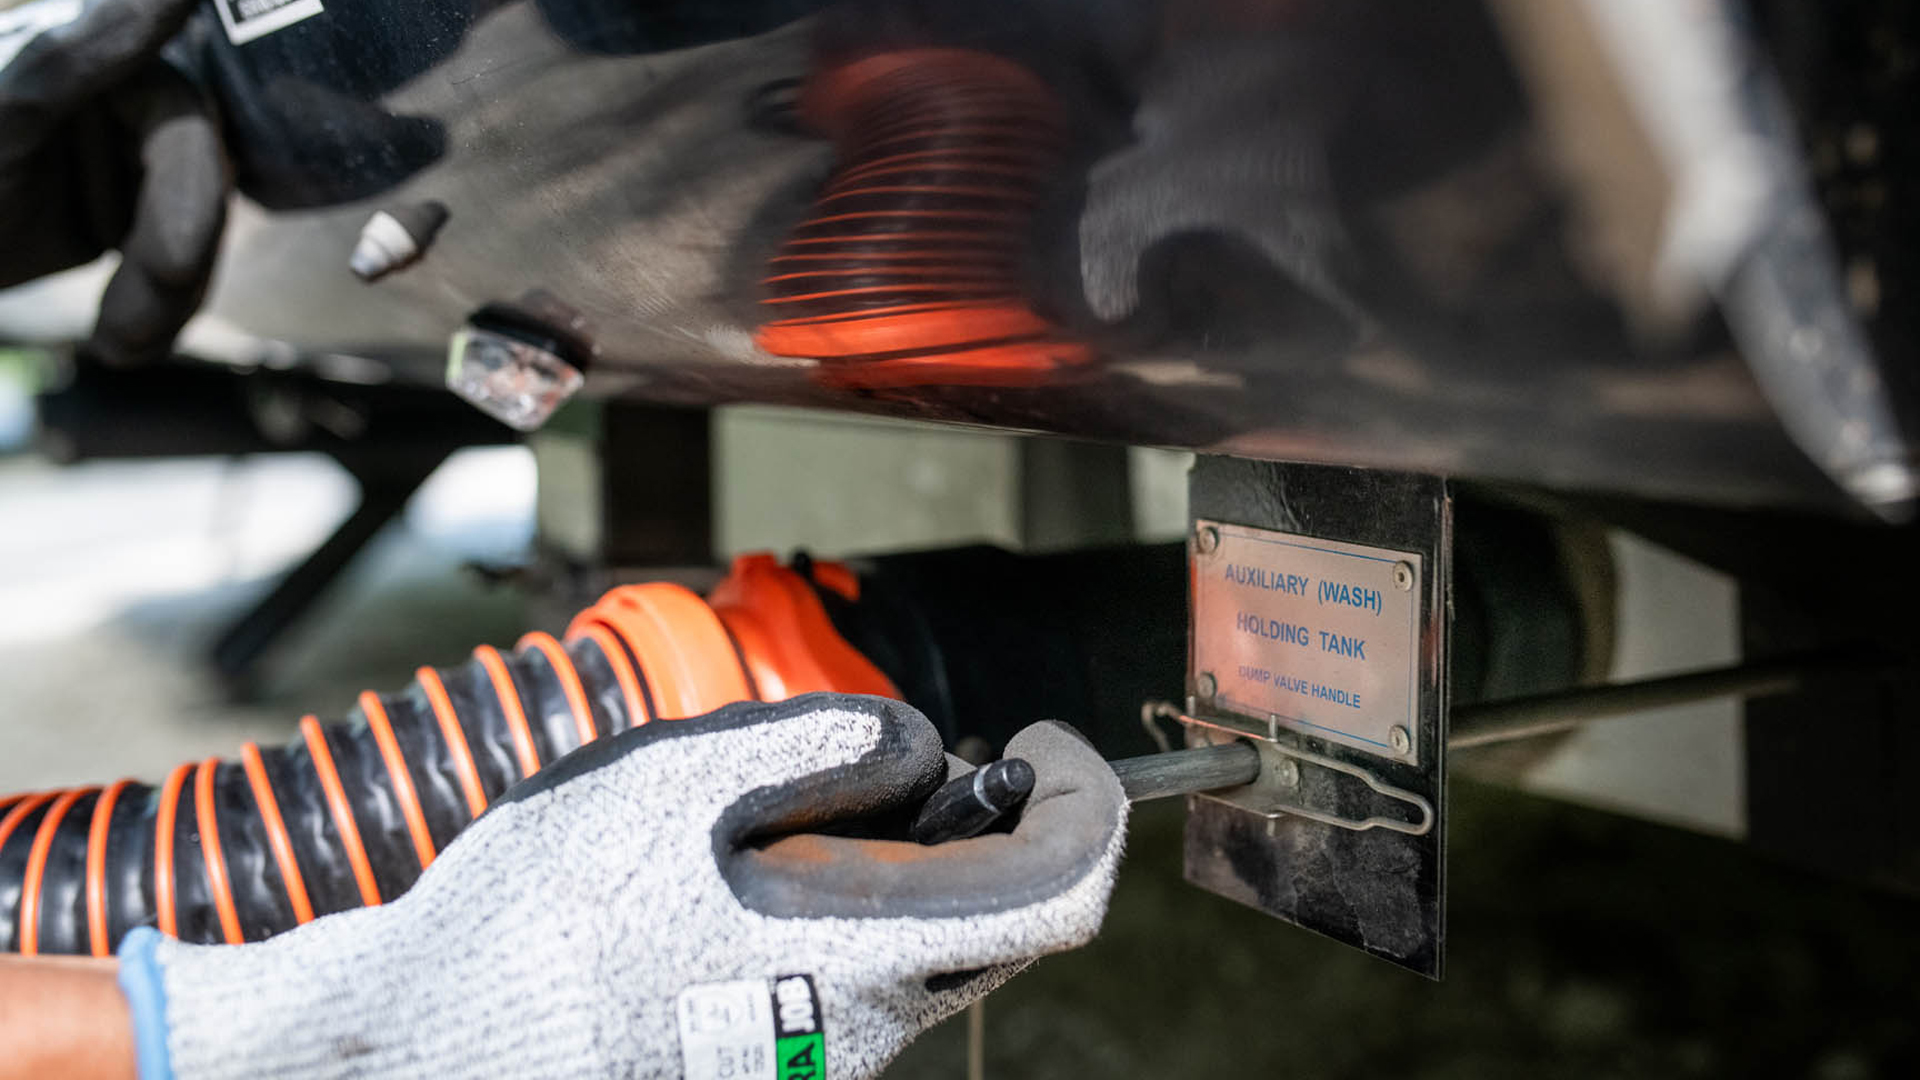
63	1017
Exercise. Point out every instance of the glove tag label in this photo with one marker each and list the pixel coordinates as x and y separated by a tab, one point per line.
245	20
752	1029
801	1048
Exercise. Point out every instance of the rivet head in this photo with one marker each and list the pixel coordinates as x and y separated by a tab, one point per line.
1206	540
1287	773
1206	685
1403	576
1399	739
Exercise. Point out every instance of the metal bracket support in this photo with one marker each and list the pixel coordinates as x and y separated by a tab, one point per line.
1276	794
1343	832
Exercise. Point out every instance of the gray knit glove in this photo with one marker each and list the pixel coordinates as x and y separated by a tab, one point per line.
628	912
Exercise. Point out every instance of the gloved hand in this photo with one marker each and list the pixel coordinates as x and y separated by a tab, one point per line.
104	146
624	913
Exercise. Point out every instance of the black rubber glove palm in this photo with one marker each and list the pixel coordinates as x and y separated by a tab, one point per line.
104	146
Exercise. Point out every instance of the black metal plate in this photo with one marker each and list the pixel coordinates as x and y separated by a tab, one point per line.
1380	891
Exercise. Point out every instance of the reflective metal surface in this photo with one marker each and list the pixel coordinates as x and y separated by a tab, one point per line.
1295	230
1316	635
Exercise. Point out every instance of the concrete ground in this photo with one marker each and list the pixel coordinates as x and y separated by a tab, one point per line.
1581	944
115	578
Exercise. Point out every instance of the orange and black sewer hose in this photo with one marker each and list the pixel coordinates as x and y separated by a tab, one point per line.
348	814
908	271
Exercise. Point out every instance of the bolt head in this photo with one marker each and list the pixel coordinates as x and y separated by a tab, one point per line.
516	382
1206	540
1206	685
1399	739
1287	773
1403	576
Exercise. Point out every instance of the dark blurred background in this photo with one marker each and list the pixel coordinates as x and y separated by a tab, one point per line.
1580	944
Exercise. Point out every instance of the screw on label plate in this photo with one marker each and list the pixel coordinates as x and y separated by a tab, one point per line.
1287	773
1402	576
1400	740
1206	540
1206	686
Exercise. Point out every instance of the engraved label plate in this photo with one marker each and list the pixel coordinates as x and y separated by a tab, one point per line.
1318	636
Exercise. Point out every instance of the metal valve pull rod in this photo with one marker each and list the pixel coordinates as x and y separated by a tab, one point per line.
968	804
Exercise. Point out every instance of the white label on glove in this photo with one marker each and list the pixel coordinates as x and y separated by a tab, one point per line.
726	1031
750	1029
249	19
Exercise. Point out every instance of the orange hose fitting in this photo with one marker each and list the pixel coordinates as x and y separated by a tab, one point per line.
908	273
682	653
785	637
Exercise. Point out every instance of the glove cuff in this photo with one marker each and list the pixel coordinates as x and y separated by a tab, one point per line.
146	995
326	1000
439	983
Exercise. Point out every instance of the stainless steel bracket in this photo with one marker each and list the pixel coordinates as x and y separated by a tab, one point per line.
1277	792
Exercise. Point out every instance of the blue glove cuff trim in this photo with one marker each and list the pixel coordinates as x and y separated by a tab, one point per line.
146	1001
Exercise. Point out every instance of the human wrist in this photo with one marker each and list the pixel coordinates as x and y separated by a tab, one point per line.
63	1016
